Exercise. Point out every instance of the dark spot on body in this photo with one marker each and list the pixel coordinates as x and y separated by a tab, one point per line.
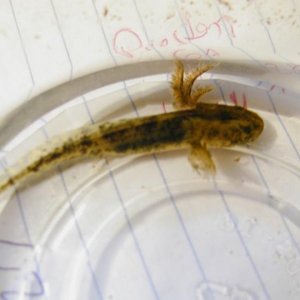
86	141
68	147
225	115
247	129
33	168
11	181
53	156
45	160
151	134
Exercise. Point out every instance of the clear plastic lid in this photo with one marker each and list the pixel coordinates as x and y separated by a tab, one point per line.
150	227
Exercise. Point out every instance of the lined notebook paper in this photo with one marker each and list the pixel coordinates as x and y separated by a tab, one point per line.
154	230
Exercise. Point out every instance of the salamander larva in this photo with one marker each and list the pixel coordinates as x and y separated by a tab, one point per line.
193	125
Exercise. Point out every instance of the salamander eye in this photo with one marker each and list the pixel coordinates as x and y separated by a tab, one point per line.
247	129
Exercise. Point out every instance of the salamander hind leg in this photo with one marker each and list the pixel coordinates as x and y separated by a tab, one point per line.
182	83
200	159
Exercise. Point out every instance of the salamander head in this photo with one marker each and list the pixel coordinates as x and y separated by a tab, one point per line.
251	128
229	125
246	126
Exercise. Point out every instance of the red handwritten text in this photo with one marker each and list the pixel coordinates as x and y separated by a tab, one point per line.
127	42
234	99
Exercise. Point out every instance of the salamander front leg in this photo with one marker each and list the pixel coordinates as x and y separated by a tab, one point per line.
182	83
200	159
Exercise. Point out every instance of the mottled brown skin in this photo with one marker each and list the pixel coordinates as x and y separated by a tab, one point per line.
210	124
194	126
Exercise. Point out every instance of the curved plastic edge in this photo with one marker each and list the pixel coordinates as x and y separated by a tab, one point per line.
39	105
